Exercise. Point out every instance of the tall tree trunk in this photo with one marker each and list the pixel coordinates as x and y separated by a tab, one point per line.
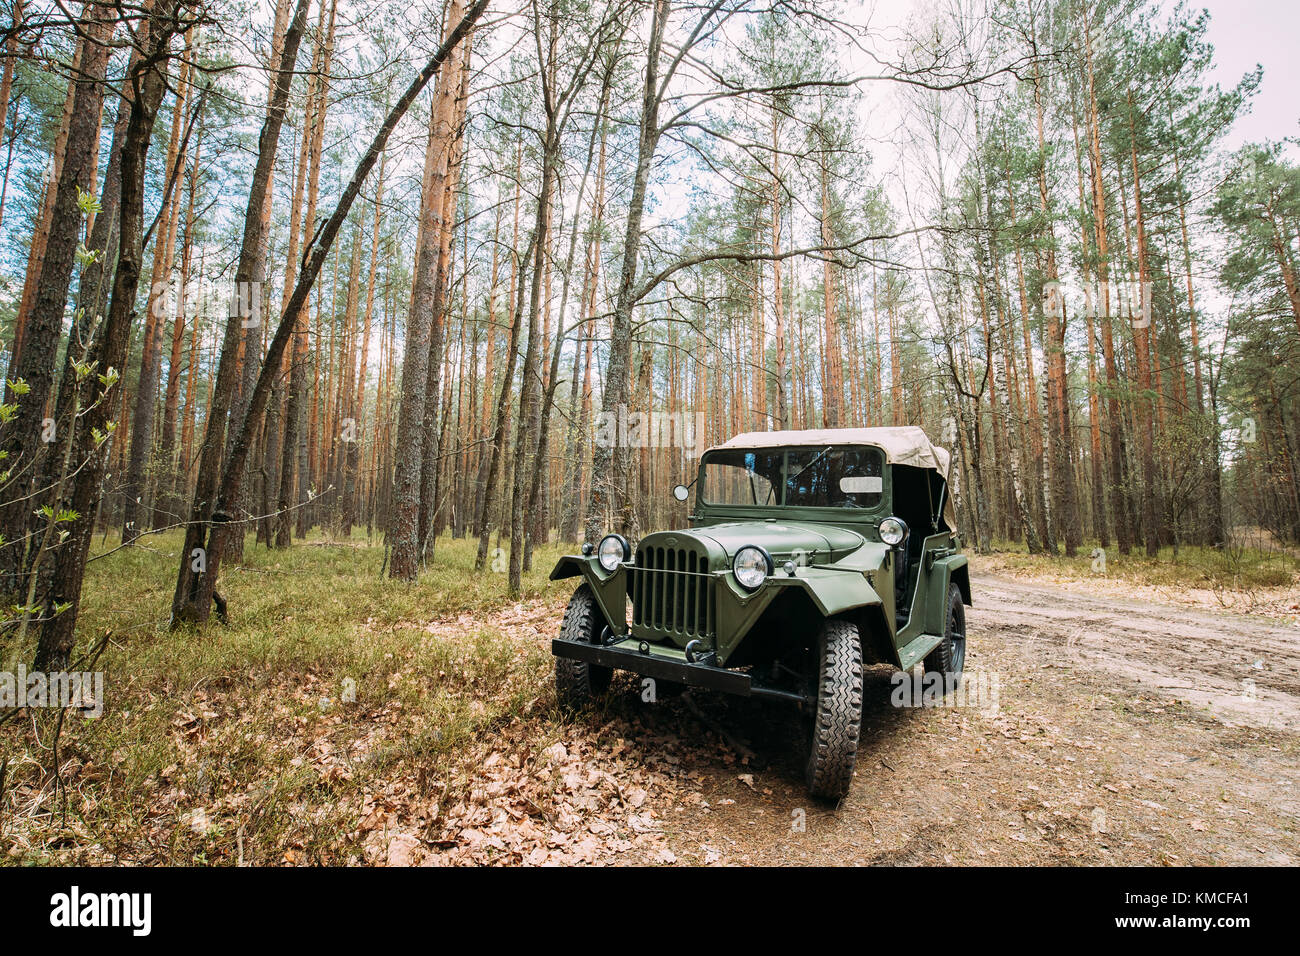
168	508
7	84
1121	508
778	304
1064	502
202	588
610	467
501	425
196	579
580	394
530	387
404	527
832	364
26	436
500	429
145	84
1143	336
446	178
146	400
292	466
253	332
45	221
346	428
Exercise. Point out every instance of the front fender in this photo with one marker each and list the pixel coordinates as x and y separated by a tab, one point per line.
833	591
569	566
945	572
608	587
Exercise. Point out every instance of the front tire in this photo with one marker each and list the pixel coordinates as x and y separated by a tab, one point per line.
578	684
837	724
949	657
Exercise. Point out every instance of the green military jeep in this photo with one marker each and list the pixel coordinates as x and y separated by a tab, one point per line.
809	555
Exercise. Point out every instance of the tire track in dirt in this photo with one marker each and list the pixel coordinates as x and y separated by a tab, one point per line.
1246	671
1123	733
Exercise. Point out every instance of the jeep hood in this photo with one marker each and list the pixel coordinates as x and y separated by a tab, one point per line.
819	543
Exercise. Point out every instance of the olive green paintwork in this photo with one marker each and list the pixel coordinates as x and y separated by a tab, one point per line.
862	578
609	587
834	591
840	564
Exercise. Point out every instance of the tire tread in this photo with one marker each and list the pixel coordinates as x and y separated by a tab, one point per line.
943	658
837	725
577	683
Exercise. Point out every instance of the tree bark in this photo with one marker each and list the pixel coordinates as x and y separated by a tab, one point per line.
196	579
135	489
611	467
404	526
446	180
24	437
145	82
195	590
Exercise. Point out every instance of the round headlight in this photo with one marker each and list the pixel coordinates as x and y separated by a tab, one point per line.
893	531
751	566
613	549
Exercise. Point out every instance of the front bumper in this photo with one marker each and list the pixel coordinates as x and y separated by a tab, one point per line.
627	655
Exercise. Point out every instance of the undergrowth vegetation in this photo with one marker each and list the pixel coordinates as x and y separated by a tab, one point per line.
337	705
201	753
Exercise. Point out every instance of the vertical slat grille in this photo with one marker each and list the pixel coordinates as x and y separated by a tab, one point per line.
671	592
661	583
638	591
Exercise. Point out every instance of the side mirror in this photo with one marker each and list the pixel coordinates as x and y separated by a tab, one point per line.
681	492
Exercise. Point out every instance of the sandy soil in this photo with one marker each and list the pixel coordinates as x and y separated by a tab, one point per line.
1124	732
1280	604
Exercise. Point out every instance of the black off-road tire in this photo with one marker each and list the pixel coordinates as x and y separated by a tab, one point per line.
577	683
950	656
837	724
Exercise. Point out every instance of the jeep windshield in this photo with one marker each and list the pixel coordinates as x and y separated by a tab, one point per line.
826	476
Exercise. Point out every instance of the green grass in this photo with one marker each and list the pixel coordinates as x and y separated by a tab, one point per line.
245	724
232	744
1235	569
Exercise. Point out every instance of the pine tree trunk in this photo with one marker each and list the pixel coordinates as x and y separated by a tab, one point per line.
446	180
145	82
404	528
169	504
26	436
135	490
196	578
610	468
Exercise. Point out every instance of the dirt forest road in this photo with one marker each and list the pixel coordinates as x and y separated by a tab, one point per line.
1123	732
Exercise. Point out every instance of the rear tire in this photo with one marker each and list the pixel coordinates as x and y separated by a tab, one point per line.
837	724
950	656
578	684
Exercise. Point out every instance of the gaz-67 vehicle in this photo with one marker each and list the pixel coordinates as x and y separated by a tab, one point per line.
810	554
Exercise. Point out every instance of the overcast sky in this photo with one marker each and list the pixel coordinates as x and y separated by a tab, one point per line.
1243	32
1246	32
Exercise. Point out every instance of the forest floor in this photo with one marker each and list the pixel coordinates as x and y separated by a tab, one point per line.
345	719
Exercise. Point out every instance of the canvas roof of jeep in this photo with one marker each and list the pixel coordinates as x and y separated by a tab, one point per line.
908	445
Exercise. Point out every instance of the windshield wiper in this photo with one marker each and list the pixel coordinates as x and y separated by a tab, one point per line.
797	475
